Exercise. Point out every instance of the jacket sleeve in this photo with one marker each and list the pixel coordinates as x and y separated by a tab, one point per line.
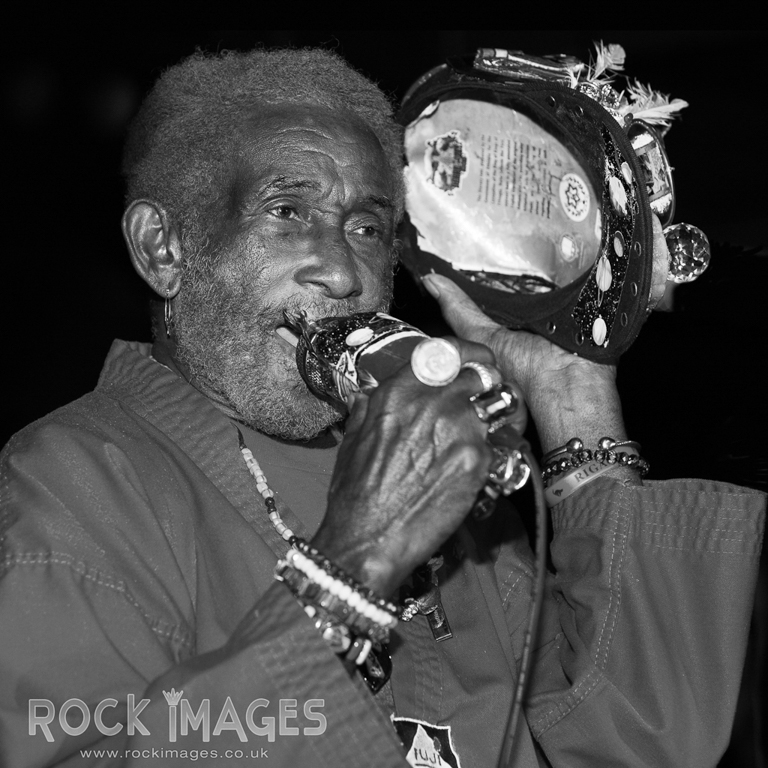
96	621
648	623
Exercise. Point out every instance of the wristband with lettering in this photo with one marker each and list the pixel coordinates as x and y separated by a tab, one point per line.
573	480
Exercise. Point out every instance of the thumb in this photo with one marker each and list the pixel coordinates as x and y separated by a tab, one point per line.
357	404
466	319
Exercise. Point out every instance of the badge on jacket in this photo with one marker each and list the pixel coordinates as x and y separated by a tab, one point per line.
426	745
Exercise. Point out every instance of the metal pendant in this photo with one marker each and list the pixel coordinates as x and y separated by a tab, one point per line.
424	599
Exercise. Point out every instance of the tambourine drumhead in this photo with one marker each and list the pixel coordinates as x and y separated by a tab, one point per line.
493	193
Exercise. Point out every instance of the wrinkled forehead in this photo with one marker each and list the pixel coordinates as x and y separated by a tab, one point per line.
308	141
288	128
333	123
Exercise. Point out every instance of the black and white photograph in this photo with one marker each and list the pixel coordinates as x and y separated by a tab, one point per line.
384	398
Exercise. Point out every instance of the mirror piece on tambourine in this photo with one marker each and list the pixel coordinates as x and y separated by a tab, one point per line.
649	148
689	252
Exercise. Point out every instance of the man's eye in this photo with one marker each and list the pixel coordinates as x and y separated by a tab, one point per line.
368	230
283	212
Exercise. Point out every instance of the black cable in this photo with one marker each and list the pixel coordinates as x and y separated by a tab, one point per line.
535	611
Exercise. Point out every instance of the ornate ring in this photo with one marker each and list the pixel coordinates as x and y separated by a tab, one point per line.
496	406
489	377
508	472
435	362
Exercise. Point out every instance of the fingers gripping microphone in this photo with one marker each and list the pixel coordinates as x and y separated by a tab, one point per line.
338	356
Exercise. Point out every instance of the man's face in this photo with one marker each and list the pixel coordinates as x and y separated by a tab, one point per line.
310	225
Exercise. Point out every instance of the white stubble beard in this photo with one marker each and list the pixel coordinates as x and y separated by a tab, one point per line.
225	337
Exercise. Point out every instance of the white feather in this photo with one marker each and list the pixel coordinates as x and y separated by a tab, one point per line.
646	104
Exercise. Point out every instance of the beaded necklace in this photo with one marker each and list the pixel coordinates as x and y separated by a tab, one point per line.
263	488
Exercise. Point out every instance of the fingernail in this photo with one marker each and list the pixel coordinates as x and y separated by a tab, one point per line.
429	283
436	284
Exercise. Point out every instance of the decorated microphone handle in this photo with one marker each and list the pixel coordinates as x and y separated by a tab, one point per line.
338	356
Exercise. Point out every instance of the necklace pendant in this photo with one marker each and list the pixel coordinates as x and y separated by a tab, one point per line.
438	623
426	601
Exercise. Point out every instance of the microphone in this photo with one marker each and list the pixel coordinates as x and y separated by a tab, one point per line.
337	356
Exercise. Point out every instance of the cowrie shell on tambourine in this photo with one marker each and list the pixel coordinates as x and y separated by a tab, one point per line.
618	244
599	331
618	195
359	336
604	274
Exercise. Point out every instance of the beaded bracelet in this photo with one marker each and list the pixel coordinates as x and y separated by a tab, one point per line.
339	574
338	637
581	465
573	455
310	593
349	595
317	582
606	457
575	445
359	650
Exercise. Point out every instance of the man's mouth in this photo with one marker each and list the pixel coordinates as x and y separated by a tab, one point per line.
297	323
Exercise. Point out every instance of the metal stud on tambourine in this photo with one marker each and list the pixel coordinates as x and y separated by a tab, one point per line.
531	182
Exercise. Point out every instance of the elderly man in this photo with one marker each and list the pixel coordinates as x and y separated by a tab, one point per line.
141	620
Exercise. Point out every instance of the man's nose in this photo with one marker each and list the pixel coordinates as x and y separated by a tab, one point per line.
330	266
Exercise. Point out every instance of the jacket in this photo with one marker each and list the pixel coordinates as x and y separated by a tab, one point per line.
137	569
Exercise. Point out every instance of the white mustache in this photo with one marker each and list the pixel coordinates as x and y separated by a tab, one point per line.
317	310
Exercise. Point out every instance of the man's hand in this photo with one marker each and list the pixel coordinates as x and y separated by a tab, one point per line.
409	469
567	395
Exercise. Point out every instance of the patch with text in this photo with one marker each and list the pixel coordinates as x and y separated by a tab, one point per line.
426	745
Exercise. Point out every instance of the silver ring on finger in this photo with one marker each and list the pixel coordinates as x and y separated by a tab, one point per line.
497	406
489	377
509	471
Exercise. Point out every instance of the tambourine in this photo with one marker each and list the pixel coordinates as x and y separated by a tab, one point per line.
531	183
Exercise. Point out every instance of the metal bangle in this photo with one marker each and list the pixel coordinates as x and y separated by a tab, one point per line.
607	458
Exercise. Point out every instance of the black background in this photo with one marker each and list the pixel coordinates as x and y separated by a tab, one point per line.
693	384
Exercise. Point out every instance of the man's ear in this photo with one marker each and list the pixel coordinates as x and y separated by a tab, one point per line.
154	246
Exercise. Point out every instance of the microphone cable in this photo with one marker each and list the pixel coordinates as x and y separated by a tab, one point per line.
535	610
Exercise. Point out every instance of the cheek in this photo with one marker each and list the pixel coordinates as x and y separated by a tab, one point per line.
378	282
